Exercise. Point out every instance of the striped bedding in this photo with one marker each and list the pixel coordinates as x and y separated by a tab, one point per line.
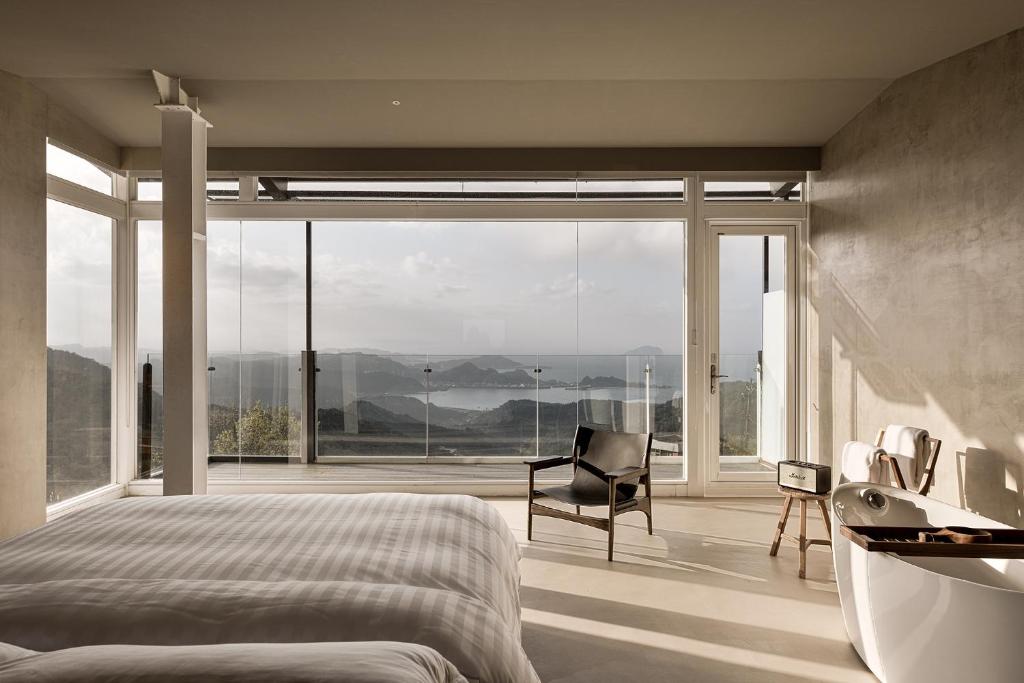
439	571
370	662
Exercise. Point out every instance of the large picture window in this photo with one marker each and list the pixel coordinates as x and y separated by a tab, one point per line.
473	323
445	349
79	344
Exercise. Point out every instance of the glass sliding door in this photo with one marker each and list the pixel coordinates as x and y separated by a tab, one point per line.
751	366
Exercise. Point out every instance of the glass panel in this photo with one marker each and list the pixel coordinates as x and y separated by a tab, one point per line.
486	406
674	190
75	169
217	189
223	339
370	405
559	404
668	415
631	284
612	392
630	289
79	339
472	302
391	300
456	288
273	310
562	188
222	189
256	330
149	190
327	189
752	352
149	357
752	191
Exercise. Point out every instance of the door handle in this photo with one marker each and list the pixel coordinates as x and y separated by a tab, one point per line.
715	377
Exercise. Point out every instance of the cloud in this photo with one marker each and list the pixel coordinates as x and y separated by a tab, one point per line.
451	289
633	242
421	263
564	287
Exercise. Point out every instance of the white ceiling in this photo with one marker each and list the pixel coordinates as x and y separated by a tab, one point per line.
489	73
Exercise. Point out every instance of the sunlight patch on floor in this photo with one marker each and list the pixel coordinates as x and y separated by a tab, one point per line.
684	597
690	646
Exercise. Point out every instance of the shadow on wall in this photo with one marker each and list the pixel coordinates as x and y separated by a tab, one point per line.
991	485
846	337
853	352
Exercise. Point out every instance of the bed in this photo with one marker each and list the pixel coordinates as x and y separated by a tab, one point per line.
436	571
369	662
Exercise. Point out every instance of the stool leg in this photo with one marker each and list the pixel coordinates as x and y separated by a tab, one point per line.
825	516
803	539
783	518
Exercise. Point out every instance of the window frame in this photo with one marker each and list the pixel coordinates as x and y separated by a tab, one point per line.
122	394
692	209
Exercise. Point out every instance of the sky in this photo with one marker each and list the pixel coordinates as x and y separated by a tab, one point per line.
511	288
79	255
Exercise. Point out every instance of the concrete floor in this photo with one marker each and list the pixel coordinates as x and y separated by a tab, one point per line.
700	600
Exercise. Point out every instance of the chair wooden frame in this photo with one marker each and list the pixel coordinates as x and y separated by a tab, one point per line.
929	467
620	476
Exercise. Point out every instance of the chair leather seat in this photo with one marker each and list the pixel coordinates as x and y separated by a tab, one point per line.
566	494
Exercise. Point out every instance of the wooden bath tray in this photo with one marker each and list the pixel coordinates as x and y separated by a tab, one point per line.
903	540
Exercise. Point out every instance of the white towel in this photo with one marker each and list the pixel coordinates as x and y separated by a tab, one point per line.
908	446
861	463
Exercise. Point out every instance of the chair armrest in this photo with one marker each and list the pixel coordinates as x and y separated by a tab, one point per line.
544	463
626	473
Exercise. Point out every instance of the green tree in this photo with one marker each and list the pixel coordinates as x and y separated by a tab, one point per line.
261	431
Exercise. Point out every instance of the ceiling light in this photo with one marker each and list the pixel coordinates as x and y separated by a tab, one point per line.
396	102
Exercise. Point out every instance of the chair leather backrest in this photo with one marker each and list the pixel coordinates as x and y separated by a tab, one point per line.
607	451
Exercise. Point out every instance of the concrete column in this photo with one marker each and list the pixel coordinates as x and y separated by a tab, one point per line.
183	145
22	306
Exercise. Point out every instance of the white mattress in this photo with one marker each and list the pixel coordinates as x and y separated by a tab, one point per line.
440	571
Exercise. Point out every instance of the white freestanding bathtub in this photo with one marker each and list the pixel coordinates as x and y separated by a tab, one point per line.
918	619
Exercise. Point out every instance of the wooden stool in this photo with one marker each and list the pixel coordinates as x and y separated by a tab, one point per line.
803	542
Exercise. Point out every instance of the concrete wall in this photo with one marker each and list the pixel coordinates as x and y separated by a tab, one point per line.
23	116
26	119
917	274
68	130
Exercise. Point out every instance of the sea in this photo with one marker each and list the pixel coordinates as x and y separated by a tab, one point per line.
490	398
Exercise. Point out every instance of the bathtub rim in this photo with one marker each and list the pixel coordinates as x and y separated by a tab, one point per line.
910	495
